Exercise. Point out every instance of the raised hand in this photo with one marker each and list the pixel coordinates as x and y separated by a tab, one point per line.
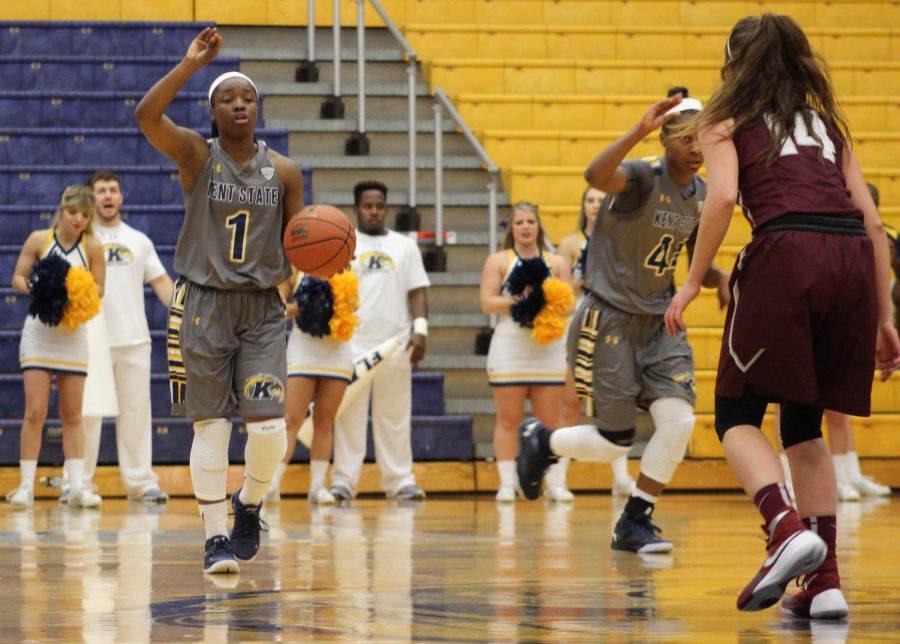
656	116
205	47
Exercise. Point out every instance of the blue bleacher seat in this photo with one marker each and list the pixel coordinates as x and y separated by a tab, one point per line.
97	38
102	73
13	309
100	146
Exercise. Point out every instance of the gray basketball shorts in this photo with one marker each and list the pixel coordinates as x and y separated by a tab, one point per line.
233	352
621	361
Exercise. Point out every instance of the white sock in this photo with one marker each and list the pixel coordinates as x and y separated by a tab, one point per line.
584	443
620	469
215	519
507	470
317	472
75	469
279	474
556	473
28	469
266	446
641	494
841	468
853	470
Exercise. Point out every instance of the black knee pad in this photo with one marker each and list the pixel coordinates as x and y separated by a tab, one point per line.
749	409
800	423
621	437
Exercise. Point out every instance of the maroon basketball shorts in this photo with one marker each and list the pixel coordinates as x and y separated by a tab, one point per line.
802	322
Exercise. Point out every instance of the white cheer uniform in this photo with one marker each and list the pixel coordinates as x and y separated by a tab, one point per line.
55	348
312	357
389	267
515	358
131	262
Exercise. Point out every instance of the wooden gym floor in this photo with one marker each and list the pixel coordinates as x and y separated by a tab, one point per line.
454	568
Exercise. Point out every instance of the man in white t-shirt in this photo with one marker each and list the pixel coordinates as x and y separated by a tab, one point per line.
392	300
131	262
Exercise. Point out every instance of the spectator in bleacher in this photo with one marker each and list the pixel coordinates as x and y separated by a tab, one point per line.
239	195
46	351
573	249
131	262
619	352
813	289
519	366
320	365
392	300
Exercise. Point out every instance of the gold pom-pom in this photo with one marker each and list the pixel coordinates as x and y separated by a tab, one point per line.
548	327
84	300
558	296
345	289
550	322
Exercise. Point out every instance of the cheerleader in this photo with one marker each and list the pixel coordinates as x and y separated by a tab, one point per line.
54	342
320	366
520	366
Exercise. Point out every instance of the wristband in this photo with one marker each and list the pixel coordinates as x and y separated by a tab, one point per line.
420	326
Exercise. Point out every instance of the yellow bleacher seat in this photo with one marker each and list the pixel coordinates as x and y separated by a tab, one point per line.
522	76
875	435
618	112
481	41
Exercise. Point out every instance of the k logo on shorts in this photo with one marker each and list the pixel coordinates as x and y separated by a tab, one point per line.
263	386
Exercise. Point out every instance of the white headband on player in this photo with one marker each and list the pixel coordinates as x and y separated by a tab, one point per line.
227	76
687	105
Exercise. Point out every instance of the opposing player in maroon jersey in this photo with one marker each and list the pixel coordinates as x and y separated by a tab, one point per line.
810	295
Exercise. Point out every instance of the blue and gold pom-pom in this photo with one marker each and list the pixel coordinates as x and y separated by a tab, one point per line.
345	289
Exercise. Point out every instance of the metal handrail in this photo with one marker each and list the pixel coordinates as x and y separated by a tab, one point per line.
461	124
411	96
392	27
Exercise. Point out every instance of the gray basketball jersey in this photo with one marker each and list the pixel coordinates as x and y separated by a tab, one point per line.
632	254
232	232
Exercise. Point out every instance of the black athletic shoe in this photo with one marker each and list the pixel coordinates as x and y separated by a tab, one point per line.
638	534
219	557
533	461
247	526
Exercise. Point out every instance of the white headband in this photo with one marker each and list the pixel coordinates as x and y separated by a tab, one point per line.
226	76
687	105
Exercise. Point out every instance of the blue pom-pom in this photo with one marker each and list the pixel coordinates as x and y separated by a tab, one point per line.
528	272
48	289
524	311
316	302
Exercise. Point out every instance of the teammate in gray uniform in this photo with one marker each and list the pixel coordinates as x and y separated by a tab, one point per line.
618	348
238	196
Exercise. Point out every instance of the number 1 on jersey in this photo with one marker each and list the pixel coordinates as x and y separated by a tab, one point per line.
239	223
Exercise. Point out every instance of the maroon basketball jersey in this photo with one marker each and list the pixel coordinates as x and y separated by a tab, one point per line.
807	176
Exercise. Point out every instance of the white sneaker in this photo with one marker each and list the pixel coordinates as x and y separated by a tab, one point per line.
559	494
867	486
623	487
21	497
846	492
272	495
321	497
84	497
64	493
506	494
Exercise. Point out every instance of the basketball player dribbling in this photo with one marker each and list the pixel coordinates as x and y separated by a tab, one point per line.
811	303
238	196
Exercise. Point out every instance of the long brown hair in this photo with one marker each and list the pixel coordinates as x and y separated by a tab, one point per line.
771	72
527	206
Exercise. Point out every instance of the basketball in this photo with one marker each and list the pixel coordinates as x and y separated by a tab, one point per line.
320	240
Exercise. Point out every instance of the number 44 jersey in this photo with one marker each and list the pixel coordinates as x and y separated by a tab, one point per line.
232	232
639	235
